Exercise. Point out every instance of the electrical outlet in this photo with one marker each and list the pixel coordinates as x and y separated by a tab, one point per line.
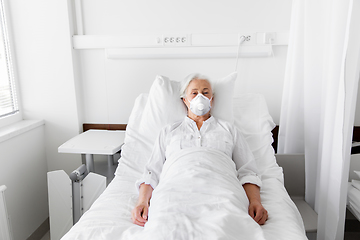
176	40
269	37
248	38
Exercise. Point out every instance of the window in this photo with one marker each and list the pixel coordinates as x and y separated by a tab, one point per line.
8	97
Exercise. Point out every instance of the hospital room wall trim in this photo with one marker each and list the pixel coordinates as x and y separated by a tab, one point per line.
189	52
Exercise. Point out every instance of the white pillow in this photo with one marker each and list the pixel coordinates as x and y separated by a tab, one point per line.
135	151
223	98
150	113
252	118
164	106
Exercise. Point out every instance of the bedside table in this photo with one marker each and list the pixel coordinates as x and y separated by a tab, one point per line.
104	142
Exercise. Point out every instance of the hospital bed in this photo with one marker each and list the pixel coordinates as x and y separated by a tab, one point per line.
109	217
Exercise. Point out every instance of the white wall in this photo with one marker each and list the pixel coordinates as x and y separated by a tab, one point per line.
49	90
110	86
23	170
200	16
45	63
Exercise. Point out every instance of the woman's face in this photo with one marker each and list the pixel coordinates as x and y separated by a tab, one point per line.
195	87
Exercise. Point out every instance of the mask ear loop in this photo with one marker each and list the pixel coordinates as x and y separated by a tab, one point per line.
241	40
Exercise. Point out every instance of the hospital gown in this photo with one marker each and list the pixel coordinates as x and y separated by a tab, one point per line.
214	133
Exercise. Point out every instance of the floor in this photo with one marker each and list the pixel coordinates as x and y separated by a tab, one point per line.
352	225
46	236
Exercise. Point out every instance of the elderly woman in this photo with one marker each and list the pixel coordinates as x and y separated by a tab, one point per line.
200	129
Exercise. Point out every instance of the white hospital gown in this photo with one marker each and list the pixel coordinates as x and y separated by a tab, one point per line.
216	134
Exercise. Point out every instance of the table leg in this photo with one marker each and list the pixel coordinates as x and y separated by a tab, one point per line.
90	162
110	160
83	159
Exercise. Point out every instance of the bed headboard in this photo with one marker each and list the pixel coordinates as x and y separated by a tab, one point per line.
88	126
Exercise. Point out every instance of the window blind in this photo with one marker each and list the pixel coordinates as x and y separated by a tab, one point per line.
8	98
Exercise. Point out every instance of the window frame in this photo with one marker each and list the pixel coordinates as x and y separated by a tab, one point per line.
16	117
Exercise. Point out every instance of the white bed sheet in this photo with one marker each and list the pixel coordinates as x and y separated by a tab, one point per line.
110	215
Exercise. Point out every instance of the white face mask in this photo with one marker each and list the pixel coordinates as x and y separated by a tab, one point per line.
200	105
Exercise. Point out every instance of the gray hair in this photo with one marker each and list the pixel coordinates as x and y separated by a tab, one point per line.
186	81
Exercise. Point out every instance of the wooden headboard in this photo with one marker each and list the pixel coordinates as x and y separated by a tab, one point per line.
88	126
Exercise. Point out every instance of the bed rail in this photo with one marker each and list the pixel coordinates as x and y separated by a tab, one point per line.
76	177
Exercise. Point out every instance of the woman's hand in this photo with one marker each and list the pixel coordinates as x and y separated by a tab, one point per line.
139	214
256	209
258	212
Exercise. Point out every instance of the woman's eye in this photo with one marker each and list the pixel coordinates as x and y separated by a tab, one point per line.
205	93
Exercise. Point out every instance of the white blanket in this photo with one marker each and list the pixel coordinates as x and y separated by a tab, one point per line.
199	197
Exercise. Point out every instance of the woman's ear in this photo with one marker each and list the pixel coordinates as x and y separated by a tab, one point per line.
184	101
